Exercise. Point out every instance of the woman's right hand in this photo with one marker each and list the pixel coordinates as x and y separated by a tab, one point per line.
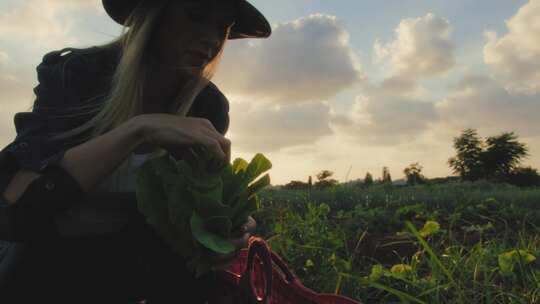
176	133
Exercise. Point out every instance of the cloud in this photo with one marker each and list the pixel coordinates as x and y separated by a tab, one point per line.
422	47
32	20
259	127
27	31
481	102
306	59
514	56
401	85
385	117
3	58
46	23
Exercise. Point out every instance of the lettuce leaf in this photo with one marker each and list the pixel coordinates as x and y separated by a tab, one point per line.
194	210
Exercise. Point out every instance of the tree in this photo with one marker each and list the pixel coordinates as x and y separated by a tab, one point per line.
503	153
324	174
386	178
413	173
468	161
368	180
324	180
493	159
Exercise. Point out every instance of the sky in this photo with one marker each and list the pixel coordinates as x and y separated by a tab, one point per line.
343	85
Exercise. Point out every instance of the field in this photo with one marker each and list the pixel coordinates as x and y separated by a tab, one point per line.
449	243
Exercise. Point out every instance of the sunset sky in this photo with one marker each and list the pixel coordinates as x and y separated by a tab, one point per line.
340	84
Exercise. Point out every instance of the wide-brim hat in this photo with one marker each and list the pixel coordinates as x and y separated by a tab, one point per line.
250	22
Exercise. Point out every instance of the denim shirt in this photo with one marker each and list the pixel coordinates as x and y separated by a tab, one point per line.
70	77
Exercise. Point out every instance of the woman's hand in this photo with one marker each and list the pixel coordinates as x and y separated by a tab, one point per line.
176	134
240	240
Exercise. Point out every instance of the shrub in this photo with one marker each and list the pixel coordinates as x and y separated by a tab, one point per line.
524	177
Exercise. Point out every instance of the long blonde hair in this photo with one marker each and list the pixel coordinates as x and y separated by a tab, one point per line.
125	98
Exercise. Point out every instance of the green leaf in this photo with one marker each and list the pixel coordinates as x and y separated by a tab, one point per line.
401	270
180	201
259	185
152	202
208	239
196	160
242	214
508	260
230	182
239	164
258	165
212	186
207	204
220	225
430	227
195	211
377	272
184	167
239	207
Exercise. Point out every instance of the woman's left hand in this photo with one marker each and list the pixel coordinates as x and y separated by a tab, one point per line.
240	240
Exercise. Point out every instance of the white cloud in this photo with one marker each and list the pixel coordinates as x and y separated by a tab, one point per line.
385	117
307	59
403	86
28	30
44	23
260	127
514	56
422	47
483	103
4	57
34	20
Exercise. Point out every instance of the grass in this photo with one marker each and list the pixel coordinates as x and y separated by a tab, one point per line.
372	244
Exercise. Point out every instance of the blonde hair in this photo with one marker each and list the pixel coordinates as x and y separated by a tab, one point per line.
125	98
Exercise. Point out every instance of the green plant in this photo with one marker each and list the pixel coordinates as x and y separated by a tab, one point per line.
194	209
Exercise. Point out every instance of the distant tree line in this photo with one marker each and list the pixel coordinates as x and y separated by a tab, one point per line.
495	159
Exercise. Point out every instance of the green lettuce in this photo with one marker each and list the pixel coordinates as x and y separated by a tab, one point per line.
195	208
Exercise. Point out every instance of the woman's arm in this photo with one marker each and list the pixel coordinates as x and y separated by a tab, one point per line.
87	163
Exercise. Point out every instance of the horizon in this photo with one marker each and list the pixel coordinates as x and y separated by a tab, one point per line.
338	84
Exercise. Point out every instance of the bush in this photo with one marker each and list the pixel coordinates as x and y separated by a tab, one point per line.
325	183
296	185
524	177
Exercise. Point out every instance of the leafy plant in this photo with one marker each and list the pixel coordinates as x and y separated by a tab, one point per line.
508	260
195	208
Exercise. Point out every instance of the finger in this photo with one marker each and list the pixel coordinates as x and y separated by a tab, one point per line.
224	143
207	124
213	147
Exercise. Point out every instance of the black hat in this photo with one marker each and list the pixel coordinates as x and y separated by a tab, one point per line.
250	23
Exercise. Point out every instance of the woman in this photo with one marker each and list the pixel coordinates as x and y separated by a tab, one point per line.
67	179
